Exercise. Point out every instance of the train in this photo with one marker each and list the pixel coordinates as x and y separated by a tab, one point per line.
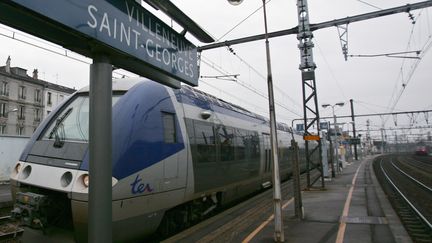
177	156
423	149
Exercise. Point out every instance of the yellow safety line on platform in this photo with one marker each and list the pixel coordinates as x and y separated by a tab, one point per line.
342	226
257	230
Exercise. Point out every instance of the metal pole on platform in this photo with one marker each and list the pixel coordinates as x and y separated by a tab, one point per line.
277	197
100	144
279	233
332	157
336	144
298	205
354	130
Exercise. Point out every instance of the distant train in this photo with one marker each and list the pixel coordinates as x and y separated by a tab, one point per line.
423	150
177	156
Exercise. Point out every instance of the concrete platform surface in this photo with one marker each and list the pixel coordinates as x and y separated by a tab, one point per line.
352	208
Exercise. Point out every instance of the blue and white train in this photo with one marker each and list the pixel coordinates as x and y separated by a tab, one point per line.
177	156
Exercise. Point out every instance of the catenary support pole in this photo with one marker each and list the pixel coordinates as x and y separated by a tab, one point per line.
354	130
277	197
310	96
100	143
336	143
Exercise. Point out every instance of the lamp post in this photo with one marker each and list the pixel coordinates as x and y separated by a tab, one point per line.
338	165
279	234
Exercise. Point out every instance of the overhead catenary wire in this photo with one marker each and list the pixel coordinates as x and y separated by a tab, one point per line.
263	110
329	65
410	75
369	4
265	78
224	72
393	54
364	103
331	71
244	84
241	22
229	49
248	87
401	75
425	48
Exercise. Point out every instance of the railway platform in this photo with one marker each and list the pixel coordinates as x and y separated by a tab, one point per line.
351	208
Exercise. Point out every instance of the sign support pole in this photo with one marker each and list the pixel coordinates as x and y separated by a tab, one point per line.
100	144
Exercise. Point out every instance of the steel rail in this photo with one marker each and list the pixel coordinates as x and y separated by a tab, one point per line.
404	197
412	178
422	162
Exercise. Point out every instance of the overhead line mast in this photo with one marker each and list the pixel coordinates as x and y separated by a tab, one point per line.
310	100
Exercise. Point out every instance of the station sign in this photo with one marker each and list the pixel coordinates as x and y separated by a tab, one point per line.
324	125
300	127
311	138
134	38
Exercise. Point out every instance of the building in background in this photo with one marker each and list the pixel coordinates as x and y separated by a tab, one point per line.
26	100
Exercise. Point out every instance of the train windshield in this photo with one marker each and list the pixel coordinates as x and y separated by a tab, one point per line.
72	123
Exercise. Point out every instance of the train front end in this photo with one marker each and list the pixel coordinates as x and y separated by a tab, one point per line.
50	181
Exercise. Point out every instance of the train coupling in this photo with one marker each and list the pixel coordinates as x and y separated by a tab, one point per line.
30	209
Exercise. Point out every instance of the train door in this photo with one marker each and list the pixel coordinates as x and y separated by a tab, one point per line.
174	170
266	159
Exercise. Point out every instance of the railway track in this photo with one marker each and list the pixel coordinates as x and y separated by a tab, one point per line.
237	219
9	230
407	184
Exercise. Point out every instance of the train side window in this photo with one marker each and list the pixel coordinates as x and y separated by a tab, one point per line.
170	133
252	146
205	143
240	144
226	137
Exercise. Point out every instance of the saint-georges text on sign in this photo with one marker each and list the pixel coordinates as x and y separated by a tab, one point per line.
123	27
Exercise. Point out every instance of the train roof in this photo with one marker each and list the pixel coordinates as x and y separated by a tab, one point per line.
125	84
214	101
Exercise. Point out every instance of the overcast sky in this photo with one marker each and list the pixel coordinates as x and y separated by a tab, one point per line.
373	83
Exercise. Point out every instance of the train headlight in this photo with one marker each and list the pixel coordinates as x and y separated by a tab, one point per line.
25	172
85	180
66	179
